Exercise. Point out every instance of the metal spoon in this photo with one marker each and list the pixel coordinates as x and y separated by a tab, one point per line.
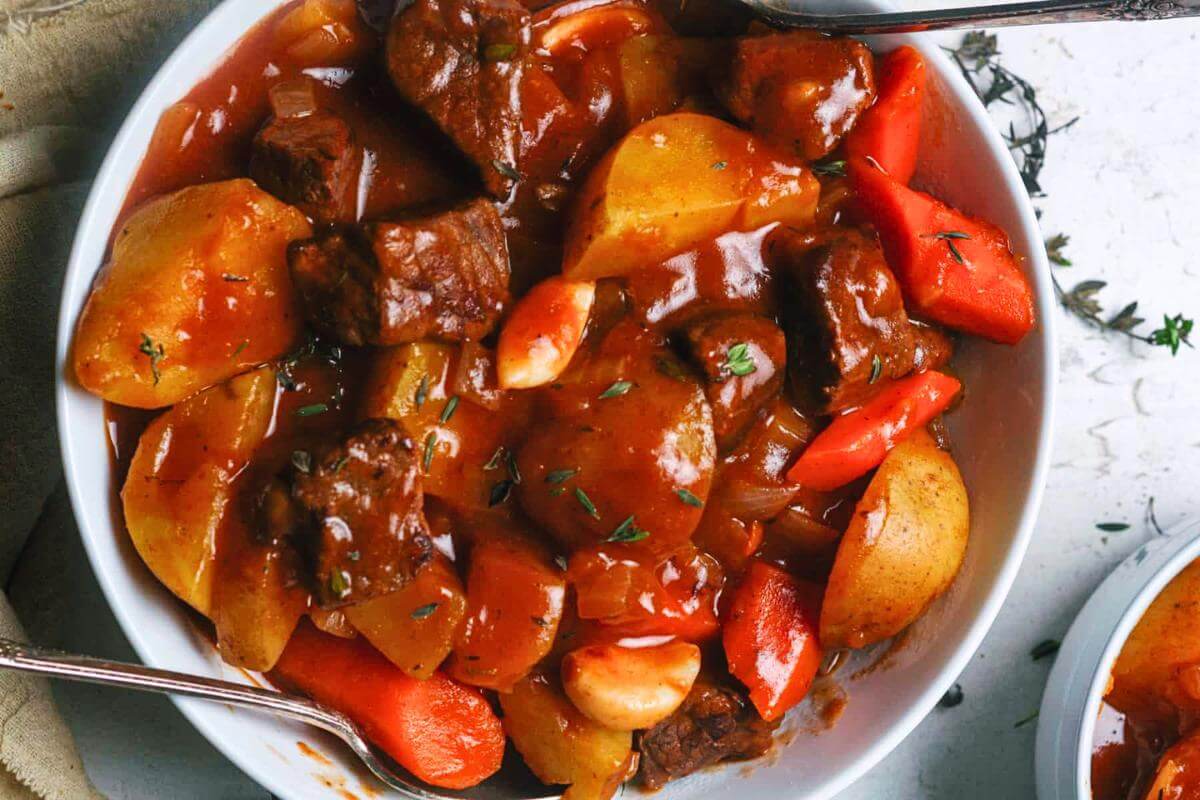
509	784
784	13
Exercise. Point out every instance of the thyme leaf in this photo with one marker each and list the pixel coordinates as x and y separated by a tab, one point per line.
738	360
155	352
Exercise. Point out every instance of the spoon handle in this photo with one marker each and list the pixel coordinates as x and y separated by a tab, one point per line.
1037	12
56	664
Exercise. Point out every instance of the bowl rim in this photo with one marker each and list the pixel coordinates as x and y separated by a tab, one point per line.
115	174
1075	688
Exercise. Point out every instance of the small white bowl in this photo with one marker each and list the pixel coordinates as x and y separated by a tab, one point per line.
1002	436
1075	689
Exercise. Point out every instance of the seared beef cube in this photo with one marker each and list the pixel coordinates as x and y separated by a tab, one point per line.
933	347
385	283
742	357
715	723
361	515
311	162
461	62
801	90
850	327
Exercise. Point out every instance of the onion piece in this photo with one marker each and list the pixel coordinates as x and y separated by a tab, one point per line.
754	501
291	99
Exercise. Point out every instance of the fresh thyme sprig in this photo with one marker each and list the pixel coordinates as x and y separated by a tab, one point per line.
978	58
1081	300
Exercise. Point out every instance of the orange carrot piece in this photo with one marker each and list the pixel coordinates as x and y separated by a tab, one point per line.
444	733
890	130
952	268
855	443
770	637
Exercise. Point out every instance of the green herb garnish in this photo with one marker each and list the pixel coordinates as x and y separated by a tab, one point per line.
719	165
421	612
422	391
506	169
245	343
448	411
302	461
616	390
337	465
500	492
1112	527
514	471
560	475
312	410
339	583
587	503
738	361
627	532
155	353
689	498
1054	249
427	458
876	368
830	169
494	461
948	237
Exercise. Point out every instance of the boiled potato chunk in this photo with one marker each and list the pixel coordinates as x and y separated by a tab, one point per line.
256	599
903	548
674	181
416	625
1157	674
560	744
196	291
179	483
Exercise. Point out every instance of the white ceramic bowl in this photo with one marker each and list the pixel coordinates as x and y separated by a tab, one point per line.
1075	689
1001	435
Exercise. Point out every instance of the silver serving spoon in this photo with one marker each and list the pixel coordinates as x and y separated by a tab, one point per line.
785	13
510	783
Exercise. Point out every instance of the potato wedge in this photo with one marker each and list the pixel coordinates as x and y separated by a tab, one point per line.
1157	674
178	488
196	291
415	626
674	181
902	549
256	601
560	744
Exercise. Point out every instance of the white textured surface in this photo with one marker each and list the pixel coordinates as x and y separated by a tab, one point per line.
1122	183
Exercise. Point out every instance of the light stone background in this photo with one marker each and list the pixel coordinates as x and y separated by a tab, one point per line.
1125	184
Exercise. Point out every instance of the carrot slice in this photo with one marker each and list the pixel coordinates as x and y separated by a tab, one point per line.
444	733
771	637
855	443
953	268
890	130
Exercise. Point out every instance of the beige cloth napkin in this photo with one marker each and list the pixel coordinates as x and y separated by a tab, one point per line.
69	70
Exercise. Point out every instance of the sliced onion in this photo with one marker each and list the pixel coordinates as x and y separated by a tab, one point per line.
751	501
293	99
803	532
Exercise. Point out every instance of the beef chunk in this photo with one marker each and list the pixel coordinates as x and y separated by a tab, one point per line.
311	162
801	90
715	723
933	347
461	62
850	328
385	283
361	515
742	357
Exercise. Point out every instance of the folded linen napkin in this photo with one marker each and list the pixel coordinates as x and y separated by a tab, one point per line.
69	71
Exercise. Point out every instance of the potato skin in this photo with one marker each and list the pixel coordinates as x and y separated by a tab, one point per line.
1160	661
674	181
179	484
560	744
201	273
902	549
